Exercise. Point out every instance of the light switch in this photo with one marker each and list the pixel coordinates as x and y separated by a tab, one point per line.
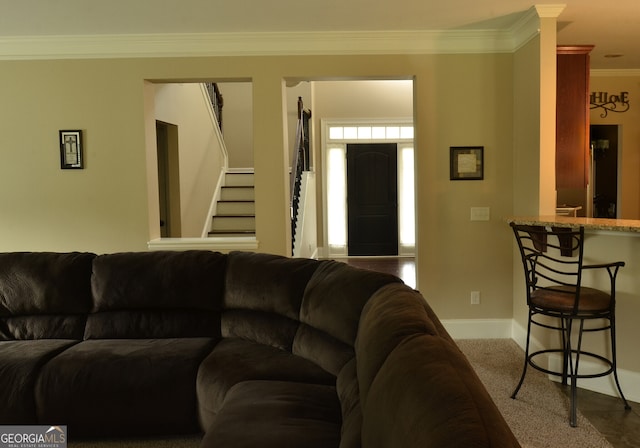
480	214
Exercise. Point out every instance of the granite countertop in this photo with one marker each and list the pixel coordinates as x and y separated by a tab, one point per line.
618	225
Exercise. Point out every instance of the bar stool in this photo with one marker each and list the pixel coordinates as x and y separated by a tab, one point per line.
553	264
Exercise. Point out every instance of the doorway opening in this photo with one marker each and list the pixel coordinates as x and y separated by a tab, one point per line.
168	179
604	170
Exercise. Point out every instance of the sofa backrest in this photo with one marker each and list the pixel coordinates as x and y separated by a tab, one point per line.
263	297
330	312
309	307
44	295
156	295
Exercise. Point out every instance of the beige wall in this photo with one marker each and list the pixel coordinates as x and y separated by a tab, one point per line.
200	156
237	124
101	208
459	100
464	101
363	99
629	145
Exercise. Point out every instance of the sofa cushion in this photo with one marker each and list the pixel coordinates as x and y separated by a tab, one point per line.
123	386
426	394
276	414
157	294
20	364
44	295
236	360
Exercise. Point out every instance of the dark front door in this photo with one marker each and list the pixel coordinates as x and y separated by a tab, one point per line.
372	199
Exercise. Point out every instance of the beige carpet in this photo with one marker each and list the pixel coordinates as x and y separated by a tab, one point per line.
539	417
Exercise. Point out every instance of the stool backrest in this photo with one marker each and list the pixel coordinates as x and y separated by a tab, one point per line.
552	258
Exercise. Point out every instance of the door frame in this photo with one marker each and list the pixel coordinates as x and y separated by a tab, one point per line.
169	176
406	193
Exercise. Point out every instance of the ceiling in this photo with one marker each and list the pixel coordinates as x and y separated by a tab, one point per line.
612	26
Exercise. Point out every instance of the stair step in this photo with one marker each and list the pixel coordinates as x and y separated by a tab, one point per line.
238	179
242	193
236	208
234	223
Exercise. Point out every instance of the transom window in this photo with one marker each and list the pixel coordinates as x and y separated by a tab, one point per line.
395	133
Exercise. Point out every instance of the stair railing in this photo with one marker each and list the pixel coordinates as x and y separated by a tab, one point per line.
300	164
216	100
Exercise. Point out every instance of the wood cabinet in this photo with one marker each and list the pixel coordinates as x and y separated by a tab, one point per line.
572	118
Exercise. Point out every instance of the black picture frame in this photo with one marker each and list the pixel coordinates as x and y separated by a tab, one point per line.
71	150
466	163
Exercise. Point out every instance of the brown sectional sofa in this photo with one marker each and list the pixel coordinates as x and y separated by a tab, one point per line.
252	350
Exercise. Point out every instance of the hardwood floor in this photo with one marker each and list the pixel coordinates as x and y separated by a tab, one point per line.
403	267
607	414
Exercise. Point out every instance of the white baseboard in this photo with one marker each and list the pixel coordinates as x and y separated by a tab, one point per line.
629	381
510	329
240	170
478	328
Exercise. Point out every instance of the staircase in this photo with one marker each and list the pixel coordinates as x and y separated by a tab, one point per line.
235	210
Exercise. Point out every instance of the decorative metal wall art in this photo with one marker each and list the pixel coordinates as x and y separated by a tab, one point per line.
617	103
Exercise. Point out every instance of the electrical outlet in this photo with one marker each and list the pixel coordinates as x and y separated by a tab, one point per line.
475	297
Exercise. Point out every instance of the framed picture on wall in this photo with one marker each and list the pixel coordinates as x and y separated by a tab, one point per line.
71	150
466	163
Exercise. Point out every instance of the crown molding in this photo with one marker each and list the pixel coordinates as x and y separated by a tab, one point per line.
258	44
526	28
550	11
612	73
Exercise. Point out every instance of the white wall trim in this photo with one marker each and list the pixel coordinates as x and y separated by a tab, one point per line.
478	328
305	242
217	244
612	73
225	162
246	170
213	206
629	381
263	44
